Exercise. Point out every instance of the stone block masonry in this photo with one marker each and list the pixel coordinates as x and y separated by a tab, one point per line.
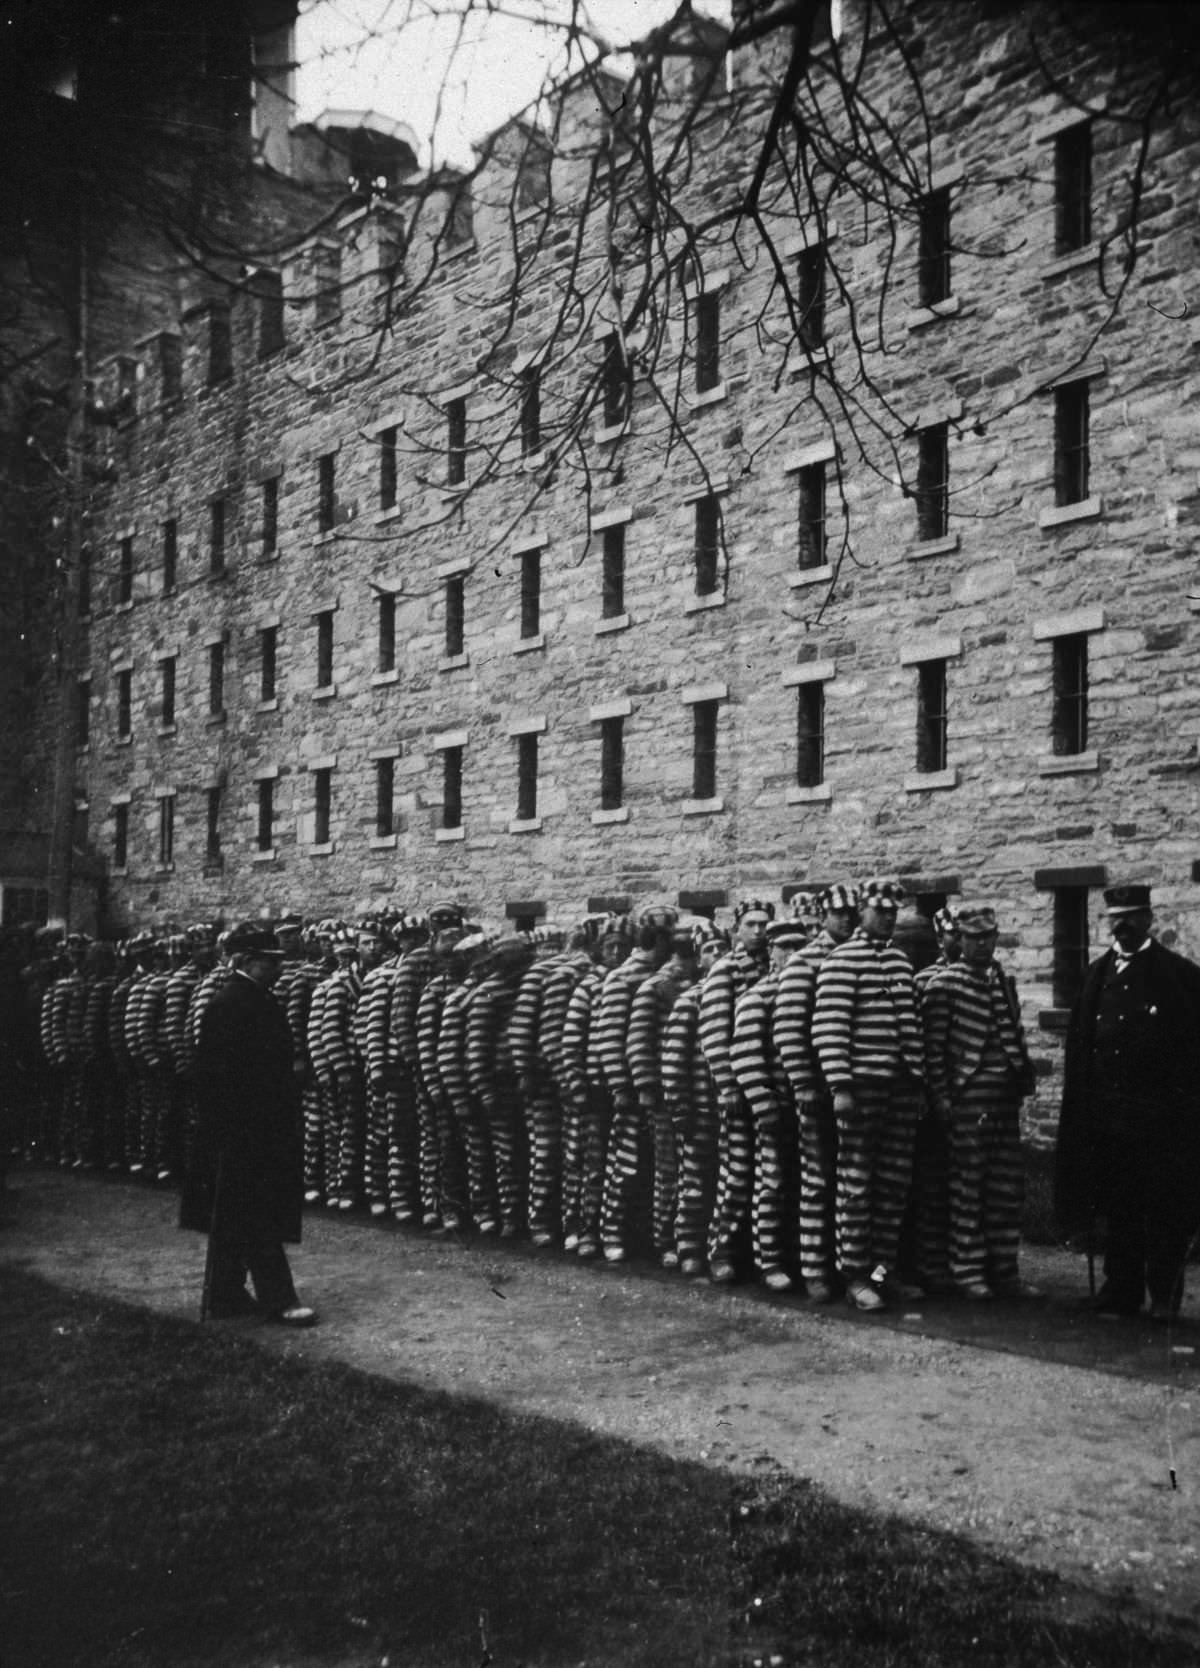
361	587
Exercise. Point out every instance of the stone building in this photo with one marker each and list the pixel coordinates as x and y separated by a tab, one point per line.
436	568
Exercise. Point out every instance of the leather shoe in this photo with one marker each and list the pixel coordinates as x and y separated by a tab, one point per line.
297	1315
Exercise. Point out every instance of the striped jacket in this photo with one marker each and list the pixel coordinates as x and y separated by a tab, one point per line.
525	1021
489	1060
569	968
297	985
429	1024
725	982
572	1074
652	1004
96	1047
331	1026
372	1022
181	988
792	1023
752	1057
413	972
63	1016
118	1007
686	1080
610	1024
213	981
962	1010
452	1045
865	1021
145	1036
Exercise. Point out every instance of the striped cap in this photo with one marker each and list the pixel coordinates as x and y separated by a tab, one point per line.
977	921
755	906
841	896
884	894
946	922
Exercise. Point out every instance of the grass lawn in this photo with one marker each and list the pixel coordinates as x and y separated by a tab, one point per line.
174	1495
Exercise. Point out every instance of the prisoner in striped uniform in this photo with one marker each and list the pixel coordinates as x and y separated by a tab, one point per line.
339	1072
792	1031
377	969
182	986
296	991
449	971
416	1123
493	1079
868	1039
468	971
652	1004
64	1010
129	1116
608	1063
761	1078
582	1165
691	1105
743	966
978	1069
146	1046
931	1158
102	1111
538	1098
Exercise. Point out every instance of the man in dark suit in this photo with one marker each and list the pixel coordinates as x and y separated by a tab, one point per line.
244	1186
1129	1134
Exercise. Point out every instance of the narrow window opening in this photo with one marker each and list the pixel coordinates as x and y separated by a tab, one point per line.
385	785
531	592
266	814
933	482
326	488
933	247
83	712
613	575
810	296
325	649
170	368
85	582
1069	720
455	614
387	632
612	763
270	517
124	705
527	777
811	528
704	749
268	648
1072	444
1070	944
216	679
708	340
708	545
166	832
170	555
220	346
452	783
456	442
212	825
120	836
810	735
125	572
931	715
216	536
616	382
322	803
268	289
1073	188
387	468
167	692
531	410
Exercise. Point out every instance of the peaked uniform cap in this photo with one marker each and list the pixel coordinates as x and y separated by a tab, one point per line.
658	915
250	938
1118	899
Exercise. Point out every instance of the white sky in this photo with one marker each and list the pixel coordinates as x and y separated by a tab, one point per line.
393	57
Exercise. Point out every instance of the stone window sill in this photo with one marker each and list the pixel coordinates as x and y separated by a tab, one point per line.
710	396
167	730
324	848
124	741
392	675
702	807
922	781
1193	603
1069	764
164	868
812	359
123	607
214	864
922	316
453	662
612	431
326	692
533	460
699	605
266	557
264	856
329	537
525	825
1072	262
933	547
1088	509
392	513
453	491
622	622
215	718
383	842
529	645
119	869
619	813
811	576
442	835
268	706
820	794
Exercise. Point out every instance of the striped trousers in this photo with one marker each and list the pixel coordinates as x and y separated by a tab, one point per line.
318	1165
417	1161
543	1124
735	1179
874	1170
776	1175
595	1122
696	1129
986	1182
818	1187
375	1150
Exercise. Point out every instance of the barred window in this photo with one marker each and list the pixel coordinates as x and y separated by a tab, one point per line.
1073	188
810	296
612	598
452	785
166	831
810	735
615	380
386	652
1069	718
933	247
708	544
170	554
125	704
933	482
268	652
216	536
266	813
455	615
456	442
166	672
612	763
324	624
527	776
707	324
1069	943
125	571
385	785
121	835
1072	443
704	749
388	441
326	492
531	592
531	410
322	804
270	516
212	824
811	527
931	715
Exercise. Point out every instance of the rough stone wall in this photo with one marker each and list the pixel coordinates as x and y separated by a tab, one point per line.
984	600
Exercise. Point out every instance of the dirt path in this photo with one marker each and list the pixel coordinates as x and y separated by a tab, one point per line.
1047	1437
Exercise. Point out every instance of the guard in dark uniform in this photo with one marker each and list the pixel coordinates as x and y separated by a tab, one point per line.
1129	1135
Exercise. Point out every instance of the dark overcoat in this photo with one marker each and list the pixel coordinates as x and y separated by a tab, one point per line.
245	1179
1159	1080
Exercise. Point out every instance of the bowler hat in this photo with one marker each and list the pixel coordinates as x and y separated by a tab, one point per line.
250	939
